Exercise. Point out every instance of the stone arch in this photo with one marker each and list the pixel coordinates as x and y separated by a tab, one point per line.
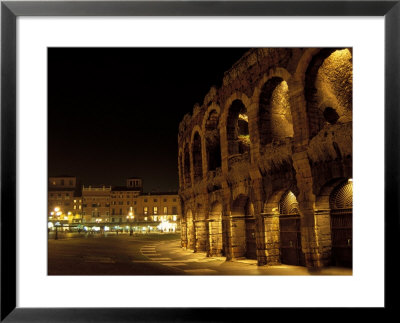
335	205
186	165
291	252
212	139
328	86
197	157
275	117
243	228
237	129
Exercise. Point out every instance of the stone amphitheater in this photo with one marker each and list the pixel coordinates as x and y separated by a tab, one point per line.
265	161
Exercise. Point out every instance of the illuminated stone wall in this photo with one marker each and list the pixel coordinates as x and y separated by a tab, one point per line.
281	121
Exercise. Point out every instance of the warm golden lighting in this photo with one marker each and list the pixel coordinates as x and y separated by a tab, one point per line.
56	209
243	117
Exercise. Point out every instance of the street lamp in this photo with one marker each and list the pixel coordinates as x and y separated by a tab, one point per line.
130	217
57	213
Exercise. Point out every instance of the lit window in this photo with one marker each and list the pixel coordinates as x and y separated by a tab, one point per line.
165	210
174	218
155	210
154	218
145	218
145	210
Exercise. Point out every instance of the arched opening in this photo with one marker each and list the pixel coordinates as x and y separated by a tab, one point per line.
186	166
329	88
243	228
215	230
341	205
290	231
213	146
197	158
238	129
275	117
190	231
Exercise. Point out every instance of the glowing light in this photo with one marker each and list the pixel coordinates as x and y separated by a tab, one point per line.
56	209
95	228
166	226
106	228
50	225
51	213
350	180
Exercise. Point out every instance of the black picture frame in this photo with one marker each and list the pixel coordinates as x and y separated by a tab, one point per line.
10	10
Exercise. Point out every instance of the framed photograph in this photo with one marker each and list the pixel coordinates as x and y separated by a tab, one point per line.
195	160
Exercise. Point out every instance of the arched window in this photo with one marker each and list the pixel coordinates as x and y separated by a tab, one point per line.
329	88
275	118
238	129
197	158
212	139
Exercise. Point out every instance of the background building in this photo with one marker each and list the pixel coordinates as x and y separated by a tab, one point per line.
64	200
122	208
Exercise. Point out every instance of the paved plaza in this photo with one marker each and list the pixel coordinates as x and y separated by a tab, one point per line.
152	254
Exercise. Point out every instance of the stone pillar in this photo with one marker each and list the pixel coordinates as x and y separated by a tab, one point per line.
201	235
323	231
272	238
215	241
190	234
310	235
237	236
184	242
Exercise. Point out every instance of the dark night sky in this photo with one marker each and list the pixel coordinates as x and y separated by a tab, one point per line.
114	113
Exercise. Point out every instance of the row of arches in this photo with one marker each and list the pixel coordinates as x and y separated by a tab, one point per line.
276	232
274	114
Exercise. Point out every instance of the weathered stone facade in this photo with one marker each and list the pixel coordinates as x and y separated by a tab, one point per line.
265	162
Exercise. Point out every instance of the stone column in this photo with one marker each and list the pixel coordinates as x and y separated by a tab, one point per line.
215	242
201	235
272	238
323	232
184	242
310	235
237	236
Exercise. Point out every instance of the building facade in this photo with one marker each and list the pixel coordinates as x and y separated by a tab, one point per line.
64	200
123	208
265	161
